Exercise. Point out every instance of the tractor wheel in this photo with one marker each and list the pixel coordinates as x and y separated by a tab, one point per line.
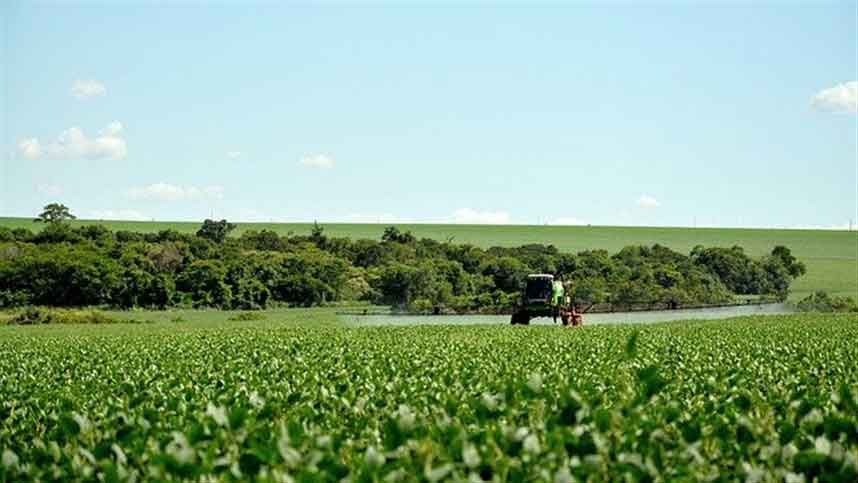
565	319
520	318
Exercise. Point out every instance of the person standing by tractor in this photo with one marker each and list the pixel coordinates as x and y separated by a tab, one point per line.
558	293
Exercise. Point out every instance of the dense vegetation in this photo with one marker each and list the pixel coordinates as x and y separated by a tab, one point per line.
758	399
823	302
830	255
90	265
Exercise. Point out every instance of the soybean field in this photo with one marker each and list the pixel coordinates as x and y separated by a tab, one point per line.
299	397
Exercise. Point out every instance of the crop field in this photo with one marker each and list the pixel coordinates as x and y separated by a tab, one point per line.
298	397
831	256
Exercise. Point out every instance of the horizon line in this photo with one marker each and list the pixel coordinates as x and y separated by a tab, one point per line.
845	228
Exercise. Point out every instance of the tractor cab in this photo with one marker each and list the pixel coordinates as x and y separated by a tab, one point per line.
539	289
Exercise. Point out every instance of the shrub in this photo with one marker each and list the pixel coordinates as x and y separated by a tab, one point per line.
823	302
14	298
39	315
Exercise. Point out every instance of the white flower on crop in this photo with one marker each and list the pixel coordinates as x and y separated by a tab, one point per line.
87	455
791	477
359	405
323	441
290	455
255	400
520	434
10	459
470	456
439	473
813	418
405	418
753	473
631	459
218	413
490	401
373	458
398	474
788	452
563	475
850	459
120	455
180	449
82	422
822	445
531	444
837	451
54	450
534	382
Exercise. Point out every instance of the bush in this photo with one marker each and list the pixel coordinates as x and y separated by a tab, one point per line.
822	302
13	298
39	315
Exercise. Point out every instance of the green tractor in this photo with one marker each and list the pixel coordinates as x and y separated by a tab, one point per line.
543	296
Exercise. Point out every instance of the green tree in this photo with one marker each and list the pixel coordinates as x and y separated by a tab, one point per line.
54	213
508	273
266	240
204	281
393	235
216	231
317	235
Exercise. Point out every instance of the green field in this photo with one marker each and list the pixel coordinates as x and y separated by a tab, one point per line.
297	397
831	256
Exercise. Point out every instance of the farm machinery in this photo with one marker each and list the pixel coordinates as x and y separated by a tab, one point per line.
543	296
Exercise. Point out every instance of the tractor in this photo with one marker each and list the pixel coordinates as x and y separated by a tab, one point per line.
543	296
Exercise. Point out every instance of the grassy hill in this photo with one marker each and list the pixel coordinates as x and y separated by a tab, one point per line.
831	256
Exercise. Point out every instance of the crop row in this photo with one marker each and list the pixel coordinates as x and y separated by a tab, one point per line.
759	399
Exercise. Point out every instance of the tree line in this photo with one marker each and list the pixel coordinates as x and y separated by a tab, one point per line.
91	265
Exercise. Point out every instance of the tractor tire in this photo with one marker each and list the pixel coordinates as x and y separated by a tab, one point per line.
565	319
520	318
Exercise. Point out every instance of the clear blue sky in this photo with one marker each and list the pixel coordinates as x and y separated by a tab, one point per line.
727	114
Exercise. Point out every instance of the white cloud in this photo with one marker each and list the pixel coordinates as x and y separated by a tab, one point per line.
74	144
234	154
30	148
476	217
566	221
85	89
646	201
49	189
169	192
318	161
840	98
130	215
112	129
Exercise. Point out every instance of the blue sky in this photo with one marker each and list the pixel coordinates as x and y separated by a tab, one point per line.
625	114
